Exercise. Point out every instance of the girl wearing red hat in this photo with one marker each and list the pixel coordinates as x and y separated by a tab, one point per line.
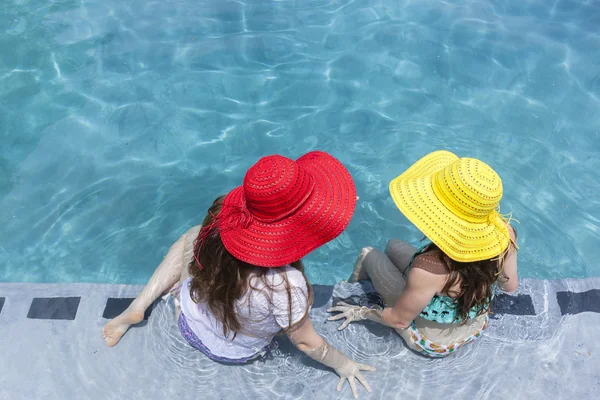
238	279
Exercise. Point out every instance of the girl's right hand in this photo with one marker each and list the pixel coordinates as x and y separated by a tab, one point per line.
313	345
342	365
351	370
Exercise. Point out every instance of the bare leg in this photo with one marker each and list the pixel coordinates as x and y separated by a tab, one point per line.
187	257
400	253
359	273
167	275
387	276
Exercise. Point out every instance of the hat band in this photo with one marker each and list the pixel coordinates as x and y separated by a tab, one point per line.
233	217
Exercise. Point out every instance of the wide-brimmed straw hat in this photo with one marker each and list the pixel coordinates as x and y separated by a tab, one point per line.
285	209
455	203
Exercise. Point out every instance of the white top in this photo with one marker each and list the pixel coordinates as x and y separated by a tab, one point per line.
262	313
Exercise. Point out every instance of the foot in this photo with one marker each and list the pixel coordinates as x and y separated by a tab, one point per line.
117	327
359	274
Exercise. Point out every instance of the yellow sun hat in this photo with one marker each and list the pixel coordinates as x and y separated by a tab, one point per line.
454	202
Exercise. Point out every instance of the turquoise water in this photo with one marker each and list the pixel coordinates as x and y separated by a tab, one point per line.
122	120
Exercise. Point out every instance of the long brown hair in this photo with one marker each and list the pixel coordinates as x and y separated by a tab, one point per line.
476	279
219	279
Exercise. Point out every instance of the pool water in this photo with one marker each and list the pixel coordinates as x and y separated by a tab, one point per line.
121	121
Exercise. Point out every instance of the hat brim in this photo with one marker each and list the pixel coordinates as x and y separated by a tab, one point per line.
461	240
322	217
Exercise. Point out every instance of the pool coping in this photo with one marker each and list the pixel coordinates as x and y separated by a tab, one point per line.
61	301
33	317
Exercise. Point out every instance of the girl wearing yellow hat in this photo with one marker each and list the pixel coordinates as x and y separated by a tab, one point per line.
439	296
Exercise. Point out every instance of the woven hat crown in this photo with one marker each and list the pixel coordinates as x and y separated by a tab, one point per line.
275	187
469	188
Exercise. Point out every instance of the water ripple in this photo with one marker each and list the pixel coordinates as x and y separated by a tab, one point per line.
114	112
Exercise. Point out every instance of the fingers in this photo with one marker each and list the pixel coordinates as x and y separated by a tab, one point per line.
353	386
365	367
342	304
345	324
363	381
340	384
339	307
336	317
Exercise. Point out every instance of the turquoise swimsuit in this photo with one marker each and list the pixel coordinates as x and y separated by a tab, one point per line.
441	309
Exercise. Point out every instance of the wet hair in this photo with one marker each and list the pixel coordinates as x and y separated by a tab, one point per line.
219	279
476	279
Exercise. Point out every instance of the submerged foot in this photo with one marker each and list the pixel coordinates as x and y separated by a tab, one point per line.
359	274
117	327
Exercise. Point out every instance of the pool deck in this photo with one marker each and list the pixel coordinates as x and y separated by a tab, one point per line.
541	344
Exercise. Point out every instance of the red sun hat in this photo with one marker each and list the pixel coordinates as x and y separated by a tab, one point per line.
285	209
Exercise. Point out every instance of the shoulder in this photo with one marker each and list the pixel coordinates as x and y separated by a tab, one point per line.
430	262
278	276
190	235
428	270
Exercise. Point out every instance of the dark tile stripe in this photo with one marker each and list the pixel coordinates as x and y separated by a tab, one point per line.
503	303
575	303
515	305
1	303
54	308
322	294
115	306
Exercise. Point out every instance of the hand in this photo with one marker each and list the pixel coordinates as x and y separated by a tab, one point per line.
341	364
350	312
350	370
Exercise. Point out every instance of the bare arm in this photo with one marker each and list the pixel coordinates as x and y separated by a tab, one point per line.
509	278
304	337
420	289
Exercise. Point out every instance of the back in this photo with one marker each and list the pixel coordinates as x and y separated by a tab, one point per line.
455	299
262	311
432	263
